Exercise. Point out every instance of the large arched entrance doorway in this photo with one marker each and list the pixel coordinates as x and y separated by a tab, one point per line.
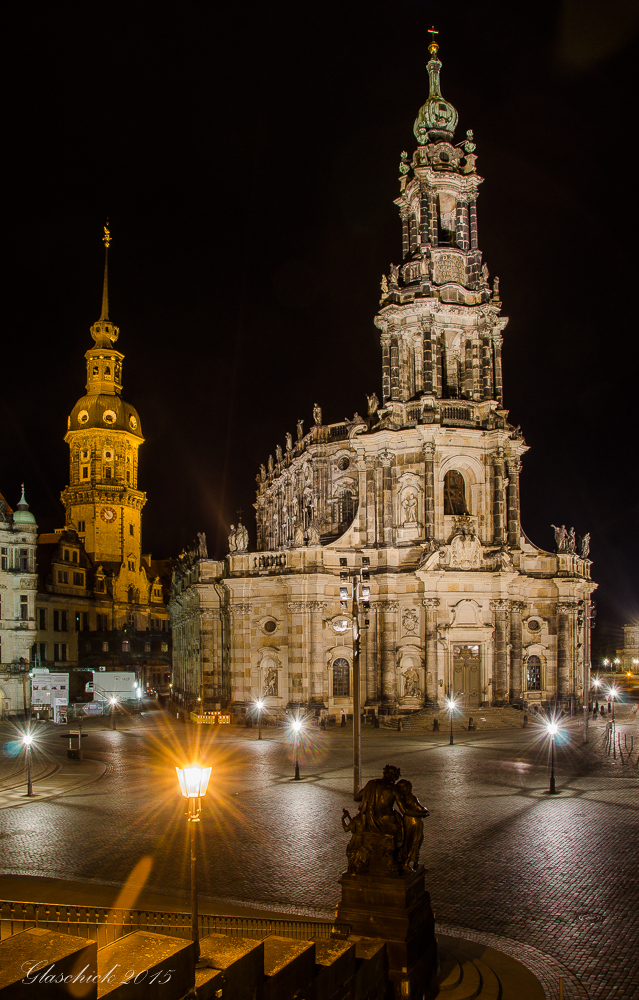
467	675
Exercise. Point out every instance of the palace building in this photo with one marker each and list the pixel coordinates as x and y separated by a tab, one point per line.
18	584
101	600
421	494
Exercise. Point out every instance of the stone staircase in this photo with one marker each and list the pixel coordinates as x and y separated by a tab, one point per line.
468	970
483	719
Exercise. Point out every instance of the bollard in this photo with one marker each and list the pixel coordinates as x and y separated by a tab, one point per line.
435	725
525	726
609	707
343	722
400	726
471	724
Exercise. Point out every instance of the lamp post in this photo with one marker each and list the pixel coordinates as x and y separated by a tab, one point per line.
450	704
259	704
553	729
296	726
193	784
113	704
27	740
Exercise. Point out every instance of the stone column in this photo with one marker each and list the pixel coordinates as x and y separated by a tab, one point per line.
472	212
462	230
564	614
424	219
516	678
386	377
386	533
500	659
388	610
498	497
372	635
317	673
405	233
514	530
429	491
497	341
432	680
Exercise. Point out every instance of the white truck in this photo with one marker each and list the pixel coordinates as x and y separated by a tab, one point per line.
118	684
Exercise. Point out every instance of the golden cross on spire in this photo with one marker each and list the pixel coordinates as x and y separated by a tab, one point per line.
433	48
106	239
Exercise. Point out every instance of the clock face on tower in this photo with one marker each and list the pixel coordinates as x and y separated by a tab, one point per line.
108	514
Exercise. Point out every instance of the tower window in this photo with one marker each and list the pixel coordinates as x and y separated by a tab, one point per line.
454	493
74	555
66	555
82	526
107	473
130	526
4	558
85	472
24	607
24	559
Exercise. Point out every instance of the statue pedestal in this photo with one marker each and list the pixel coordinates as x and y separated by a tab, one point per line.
396	909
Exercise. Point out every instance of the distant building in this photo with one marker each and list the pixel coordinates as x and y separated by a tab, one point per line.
101	600
421	494
18	583
629	655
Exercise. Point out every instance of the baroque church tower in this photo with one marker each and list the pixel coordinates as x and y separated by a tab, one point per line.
102	500
422	494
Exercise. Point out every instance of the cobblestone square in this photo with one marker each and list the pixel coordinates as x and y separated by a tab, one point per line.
503	857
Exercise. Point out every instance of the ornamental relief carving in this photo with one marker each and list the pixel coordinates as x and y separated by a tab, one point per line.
410	621
296	607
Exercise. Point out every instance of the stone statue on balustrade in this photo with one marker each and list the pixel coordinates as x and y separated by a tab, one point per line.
387	833
585	546
202	549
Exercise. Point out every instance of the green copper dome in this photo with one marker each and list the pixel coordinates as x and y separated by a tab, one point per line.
437	118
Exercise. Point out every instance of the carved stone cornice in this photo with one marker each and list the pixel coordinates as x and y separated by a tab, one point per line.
297	607
239	608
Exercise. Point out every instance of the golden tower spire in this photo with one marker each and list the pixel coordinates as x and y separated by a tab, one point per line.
106	239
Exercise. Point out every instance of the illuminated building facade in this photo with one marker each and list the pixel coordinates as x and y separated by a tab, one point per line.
102	600
423	492
18	583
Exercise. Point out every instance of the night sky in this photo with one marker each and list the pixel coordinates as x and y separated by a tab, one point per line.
248	160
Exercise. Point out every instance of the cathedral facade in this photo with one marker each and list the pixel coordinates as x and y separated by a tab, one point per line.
101	602
421	495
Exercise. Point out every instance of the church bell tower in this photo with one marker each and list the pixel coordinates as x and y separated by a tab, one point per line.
102	500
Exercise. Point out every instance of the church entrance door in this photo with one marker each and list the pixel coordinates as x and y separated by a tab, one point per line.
466	676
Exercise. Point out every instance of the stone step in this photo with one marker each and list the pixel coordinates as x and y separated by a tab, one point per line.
470	985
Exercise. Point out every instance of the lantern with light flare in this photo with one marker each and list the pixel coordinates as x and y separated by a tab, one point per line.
194	781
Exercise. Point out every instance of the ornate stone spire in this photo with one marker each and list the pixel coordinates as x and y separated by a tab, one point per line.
106	239
437	118
104	332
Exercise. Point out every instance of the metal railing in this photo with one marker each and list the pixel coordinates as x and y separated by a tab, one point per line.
106	925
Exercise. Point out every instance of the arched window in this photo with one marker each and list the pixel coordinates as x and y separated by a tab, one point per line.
534	673
454	493
126	646
345	507
340	678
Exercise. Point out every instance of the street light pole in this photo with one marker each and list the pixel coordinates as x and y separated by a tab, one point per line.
260	706
357	716
451	709
27	740
193	784
552	730
297	725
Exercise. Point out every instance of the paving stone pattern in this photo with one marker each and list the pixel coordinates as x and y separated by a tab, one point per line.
554	874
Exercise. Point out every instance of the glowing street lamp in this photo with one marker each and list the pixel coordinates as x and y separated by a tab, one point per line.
451	706
193	784
27	740
296	726
553	729
114	702
259	705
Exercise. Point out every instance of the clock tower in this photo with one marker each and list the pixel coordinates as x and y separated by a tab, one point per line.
102	501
